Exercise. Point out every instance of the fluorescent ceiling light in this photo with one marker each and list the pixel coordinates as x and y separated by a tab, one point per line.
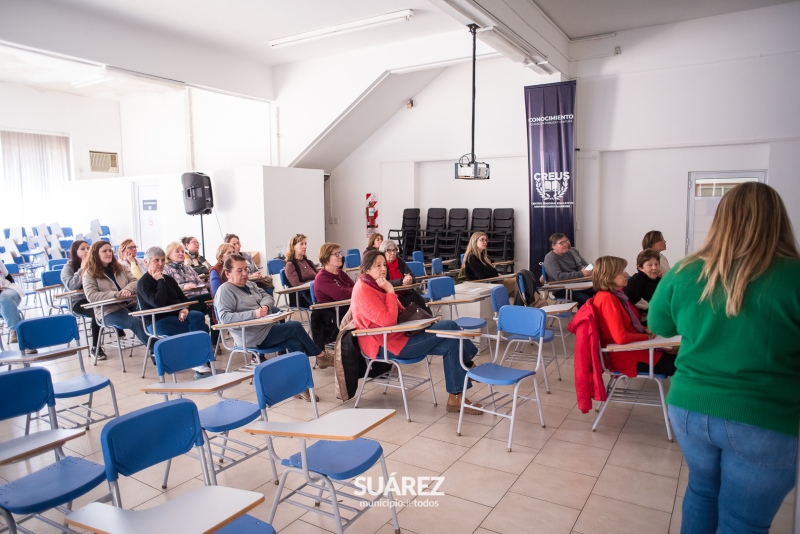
341	29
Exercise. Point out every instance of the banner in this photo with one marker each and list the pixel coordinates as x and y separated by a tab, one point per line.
550	112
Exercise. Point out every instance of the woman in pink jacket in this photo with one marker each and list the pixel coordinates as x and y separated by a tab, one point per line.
374	304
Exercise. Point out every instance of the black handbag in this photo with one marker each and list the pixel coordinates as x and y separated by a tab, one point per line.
413	312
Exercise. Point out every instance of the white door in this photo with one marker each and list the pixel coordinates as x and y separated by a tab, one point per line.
147	210
705	191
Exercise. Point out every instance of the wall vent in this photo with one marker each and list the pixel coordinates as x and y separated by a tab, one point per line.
104	161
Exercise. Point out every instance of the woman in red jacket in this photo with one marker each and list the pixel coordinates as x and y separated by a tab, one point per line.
619	321
374	304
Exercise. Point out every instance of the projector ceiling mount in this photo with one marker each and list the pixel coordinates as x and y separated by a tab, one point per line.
467	168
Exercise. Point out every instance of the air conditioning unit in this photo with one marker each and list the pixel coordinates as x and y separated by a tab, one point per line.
104	161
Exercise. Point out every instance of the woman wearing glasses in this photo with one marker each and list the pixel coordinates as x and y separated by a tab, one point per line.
564	262
299	269
127	256
478	266
398	274
72	278
330	285
192	256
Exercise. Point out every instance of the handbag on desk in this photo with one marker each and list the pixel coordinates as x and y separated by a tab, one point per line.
413	312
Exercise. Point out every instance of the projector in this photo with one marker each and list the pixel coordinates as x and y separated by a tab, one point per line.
472	171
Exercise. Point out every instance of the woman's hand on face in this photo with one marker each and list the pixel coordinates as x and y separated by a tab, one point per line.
384	284
124	293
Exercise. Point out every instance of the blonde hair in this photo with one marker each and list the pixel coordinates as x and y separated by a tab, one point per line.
123	246
172	247
222	249
606	268
750	229
298	238
472	249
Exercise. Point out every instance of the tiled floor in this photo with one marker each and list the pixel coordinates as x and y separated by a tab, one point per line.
624	478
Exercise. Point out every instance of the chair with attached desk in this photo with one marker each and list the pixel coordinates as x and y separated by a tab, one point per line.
274	266
46	332
305	313
394	377
107	328
339	454
22	392
442	288
325	319
557	318
129	446
51	284
233	348
183	352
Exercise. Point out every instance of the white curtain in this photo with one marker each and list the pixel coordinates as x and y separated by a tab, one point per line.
32	166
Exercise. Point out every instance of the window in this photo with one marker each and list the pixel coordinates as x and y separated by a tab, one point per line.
32	168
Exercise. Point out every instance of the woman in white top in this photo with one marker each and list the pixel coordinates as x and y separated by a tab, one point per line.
655	240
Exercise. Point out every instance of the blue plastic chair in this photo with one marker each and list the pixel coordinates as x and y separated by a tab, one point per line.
417	255
323	462
417	268
436	266
351	261
193	349
551	319
46	332
444	287
304	312
52	264
521	321
52	279
354	251
129	447
274	266
26	391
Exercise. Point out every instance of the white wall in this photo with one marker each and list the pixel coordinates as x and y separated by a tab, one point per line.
70	31
92	124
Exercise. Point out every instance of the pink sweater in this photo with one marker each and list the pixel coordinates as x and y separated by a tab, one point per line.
374	309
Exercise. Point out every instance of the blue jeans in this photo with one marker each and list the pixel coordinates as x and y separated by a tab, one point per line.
291	336
738	474
426	343
9	307
172	326
122	319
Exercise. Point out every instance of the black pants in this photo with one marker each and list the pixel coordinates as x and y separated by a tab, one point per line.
664	366
77	307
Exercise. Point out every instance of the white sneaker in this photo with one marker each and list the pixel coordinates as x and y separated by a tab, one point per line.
202	369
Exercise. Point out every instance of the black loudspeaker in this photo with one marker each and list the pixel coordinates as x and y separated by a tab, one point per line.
197	196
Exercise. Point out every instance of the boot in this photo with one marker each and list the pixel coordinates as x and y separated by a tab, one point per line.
454	405
325	361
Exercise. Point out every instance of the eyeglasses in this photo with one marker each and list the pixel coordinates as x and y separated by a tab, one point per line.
483	239
131	247
393	250
338	254
563	242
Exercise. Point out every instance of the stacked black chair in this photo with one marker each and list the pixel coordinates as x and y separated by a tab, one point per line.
502	223
446	241
458	224
406	235
481	220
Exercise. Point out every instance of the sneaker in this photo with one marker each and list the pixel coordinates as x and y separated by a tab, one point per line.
198	375
325	361
31	351
257	359
101	355
306	396
203	369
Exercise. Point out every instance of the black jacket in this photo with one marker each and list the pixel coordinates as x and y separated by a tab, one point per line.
154	293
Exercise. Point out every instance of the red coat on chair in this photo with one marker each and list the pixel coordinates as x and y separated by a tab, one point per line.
588	369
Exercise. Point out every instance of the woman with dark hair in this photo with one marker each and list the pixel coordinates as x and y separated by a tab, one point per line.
106	278
72	278
375	305
193	258
655	240
399	275
734	401
299	269
618	321
374	243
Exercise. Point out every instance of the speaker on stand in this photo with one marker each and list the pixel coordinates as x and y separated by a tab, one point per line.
197	198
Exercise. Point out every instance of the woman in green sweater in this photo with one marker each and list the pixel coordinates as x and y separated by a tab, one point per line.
734	401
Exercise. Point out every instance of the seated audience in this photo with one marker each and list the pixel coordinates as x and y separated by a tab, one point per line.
564	263
655	240
263	281
193	258
186	277
375	305
619	321
217	273
643	284
374	243
299	269
127	255
399	275
72	278
239	299
330	285
477	264
106	278
10	298
156	290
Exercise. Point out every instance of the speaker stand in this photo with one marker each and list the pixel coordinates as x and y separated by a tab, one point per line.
202	236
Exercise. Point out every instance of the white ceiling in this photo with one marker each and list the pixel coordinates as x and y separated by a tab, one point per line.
245	27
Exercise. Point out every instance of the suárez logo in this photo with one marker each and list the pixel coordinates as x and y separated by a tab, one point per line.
407	487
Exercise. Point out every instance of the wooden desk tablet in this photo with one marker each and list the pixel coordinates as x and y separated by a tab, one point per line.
201	510
655	343
555	309
210	384
90	305
334	304
495	278
295	289
26	446
68	294
11	357
452	302
401	327
47	288
267	319
340	425
163	309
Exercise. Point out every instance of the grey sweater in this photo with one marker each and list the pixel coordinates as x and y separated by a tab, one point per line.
233	305
564	267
